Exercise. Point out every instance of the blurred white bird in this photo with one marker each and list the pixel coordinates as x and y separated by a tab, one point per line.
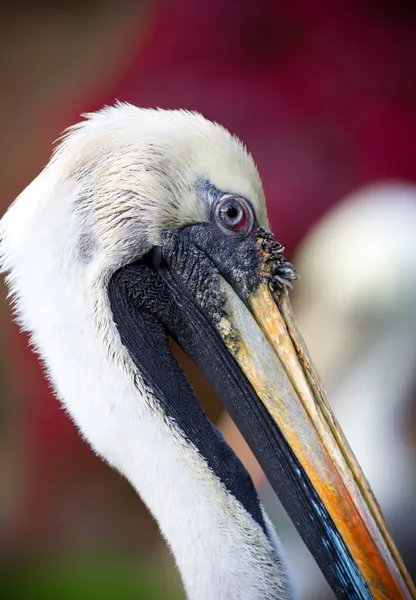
355	304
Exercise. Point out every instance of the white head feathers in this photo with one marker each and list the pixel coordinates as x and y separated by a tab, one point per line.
126	174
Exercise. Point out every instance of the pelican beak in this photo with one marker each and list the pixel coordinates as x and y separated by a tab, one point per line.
302	448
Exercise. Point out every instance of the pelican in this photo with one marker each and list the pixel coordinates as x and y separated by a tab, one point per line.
148	225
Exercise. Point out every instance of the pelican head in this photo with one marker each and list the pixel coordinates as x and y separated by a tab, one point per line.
150	224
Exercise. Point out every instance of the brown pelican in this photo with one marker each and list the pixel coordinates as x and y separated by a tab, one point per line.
147	224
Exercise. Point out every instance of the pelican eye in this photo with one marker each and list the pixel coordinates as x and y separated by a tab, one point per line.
234	214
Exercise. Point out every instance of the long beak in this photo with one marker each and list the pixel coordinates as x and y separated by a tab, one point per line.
244	339
339	515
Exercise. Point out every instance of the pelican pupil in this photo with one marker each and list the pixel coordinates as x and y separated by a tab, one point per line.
232	212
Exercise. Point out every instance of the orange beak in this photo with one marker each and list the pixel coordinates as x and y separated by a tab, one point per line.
271	353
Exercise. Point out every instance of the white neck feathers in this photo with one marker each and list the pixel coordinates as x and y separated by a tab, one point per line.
221	552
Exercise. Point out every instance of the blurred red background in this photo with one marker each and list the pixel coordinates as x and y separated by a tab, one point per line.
322	93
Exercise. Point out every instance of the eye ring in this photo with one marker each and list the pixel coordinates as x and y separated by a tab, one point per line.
234	214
